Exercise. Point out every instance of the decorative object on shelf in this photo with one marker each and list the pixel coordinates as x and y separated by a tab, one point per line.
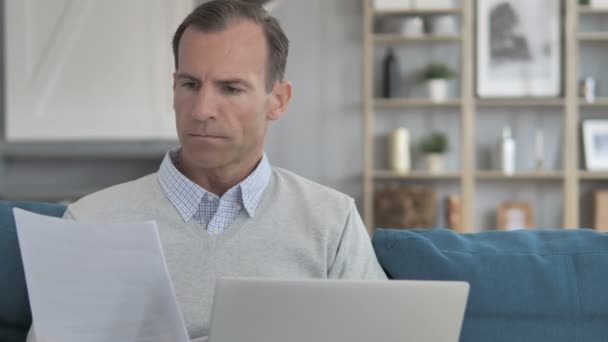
539	151
408	26
514	58
412	27
442	25
404	206
434	4
391	75
514	216
454	213
507	152
595	143
587	89
399	150
434	147
598	3
436	76
600	210
393	5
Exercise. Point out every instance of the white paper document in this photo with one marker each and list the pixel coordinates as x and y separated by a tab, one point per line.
97	282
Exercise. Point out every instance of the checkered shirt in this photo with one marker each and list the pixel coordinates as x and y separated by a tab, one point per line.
212	212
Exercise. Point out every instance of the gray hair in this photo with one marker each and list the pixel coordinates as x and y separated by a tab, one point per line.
218	15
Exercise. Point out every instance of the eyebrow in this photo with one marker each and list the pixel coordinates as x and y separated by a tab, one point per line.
181	75
230	81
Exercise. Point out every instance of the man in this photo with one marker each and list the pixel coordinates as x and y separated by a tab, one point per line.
221	209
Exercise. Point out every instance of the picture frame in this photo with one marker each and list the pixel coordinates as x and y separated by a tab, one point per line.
514	216
514	57
595	144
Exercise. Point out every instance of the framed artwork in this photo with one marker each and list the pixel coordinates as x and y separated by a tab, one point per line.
595	144
514	57
514	216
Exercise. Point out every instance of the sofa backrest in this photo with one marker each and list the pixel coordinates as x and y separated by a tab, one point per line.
529	285
15	315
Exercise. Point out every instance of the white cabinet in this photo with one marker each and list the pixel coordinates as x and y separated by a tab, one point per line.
90	69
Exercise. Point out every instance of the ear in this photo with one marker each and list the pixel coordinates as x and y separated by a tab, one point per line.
279	99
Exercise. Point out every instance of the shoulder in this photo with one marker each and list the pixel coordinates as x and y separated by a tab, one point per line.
311	202
307	189
118	197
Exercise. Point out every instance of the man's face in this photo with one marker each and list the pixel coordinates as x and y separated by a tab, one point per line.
220	99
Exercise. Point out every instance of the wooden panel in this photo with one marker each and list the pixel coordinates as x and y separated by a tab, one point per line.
570	130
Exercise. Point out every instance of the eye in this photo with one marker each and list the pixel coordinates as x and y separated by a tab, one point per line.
189	84
230	90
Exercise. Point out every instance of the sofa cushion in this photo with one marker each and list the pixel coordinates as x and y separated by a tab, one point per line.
528	285
15	316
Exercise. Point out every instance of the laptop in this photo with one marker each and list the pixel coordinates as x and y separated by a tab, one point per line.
264	310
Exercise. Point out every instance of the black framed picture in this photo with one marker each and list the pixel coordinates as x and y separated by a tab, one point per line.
519	48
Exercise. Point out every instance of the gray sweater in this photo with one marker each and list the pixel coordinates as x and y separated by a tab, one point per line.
300	230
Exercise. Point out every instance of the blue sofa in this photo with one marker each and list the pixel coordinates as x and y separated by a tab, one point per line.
525	285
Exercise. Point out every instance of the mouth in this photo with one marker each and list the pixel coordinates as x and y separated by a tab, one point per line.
206	136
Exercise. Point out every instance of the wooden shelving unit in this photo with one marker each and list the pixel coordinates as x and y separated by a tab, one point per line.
600	102
463	104
522	176
415	175
568	177
591	10
593	175
415	103
413	11
399	39
524	102
593	36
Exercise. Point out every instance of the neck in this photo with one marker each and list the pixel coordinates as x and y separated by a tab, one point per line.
221	179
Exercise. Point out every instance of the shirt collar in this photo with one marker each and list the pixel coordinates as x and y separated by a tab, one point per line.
186	195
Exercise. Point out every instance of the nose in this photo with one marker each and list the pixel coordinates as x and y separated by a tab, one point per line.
204	107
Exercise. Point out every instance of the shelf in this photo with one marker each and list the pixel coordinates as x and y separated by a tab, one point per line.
599	102
591	10
593	36
531	175
417	11
416	175
520	102
414	103
152	149
397	38
593	175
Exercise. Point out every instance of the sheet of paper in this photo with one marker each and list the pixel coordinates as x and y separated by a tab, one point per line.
97	282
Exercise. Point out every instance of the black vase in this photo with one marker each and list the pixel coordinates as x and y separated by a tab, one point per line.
390	75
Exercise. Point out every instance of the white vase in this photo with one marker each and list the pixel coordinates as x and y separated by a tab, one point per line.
434	162
438	90
443	25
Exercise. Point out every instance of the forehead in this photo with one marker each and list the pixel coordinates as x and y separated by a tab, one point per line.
241	46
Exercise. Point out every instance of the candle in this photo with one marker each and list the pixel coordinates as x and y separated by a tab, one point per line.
399	150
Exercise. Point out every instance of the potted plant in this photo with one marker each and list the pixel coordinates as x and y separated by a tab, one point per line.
434	146
436	76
